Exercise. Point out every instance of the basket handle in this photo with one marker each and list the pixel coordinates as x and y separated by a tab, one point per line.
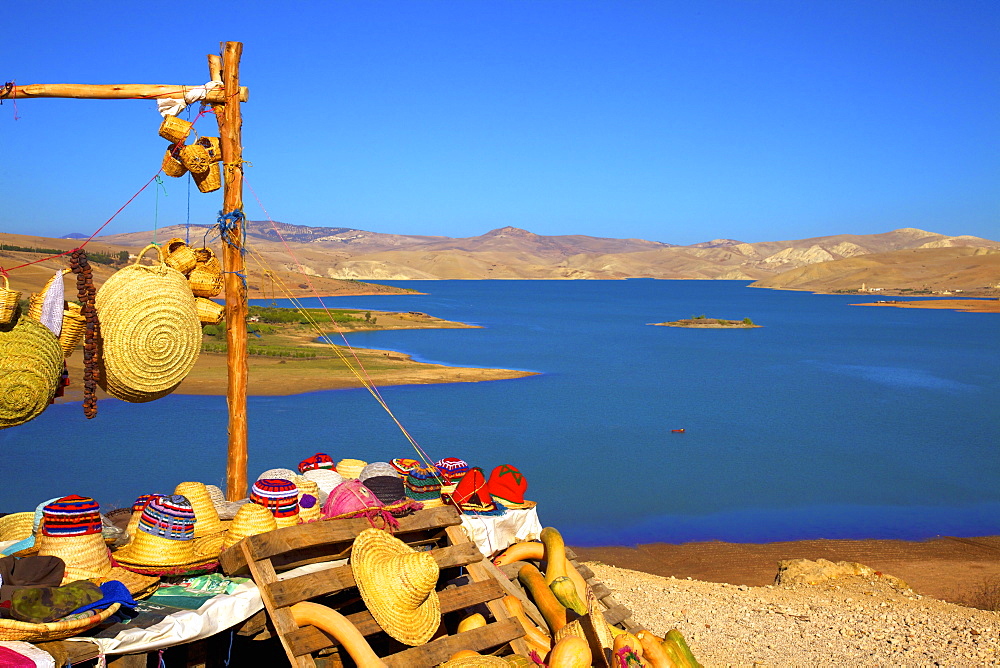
6	283
138	258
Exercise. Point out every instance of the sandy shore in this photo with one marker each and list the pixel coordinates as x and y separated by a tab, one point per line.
967	305
945	568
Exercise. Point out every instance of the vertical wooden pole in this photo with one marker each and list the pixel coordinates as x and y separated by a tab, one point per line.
230	140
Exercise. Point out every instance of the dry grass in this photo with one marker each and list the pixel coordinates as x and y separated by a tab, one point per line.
986	597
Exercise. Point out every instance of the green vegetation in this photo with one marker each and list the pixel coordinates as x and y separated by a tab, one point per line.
268	314
748	322
97	257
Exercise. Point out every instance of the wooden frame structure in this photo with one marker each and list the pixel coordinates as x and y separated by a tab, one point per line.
435	529
226	105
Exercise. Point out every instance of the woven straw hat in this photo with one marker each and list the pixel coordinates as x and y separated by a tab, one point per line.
227	509
16	526
308	510
481	661
398	586
250	520
206	517
150	332
31	364
277	474
164	543
350	468
280	497
326	479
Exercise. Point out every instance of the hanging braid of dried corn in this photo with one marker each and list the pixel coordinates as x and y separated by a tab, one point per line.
85	292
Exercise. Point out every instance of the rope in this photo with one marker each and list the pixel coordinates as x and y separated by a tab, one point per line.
10	91
156	208
228	223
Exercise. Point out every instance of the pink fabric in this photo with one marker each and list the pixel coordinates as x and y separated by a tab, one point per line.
352	499
11	659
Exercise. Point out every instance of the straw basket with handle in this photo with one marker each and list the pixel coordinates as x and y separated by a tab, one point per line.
12	629
211	145
36	299
8	301
176	254
206	278
210	180
175	130
209	312
31	363
171	165
74	326
150	333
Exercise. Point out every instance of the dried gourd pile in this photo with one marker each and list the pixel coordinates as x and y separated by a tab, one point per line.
577	635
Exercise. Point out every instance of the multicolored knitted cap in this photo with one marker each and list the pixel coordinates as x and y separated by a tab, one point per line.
404	465
170	517
320	460
377	469
143	501
423	484
471	495
281	497
452	468
71	516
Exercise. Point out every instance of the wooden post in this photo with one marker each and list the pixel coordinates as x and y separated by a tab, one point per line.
230	140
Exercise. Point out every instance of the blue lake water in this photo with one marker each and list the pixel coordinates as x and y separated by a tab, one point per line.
830	421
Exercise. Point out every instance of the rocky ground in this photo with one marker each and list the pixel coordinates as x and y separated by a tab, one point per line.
844	621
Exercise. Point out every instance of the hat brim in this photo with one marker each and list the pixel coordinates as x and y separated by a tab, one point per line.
525	505
153	555
371	551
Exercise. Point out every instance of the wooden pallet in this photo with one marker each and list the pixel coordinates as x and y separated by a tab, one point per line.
437	530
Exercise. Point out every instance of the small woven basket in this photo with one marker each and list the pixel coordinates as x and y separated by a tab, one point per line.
211	145
178	255
12	629
175	130
206	278
74	326
171	165
209	312
8	301
209	181
37	298
195	157
150	332
31	363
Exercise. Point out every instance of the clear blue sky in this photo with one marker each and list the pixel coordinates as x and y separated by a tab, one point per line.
671	121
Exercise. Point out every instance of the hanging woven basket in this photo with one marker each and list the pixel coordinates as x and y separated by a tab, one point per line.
37	298
74	326
175	130
172	166
31	363
209	180
206	278
150	332
211	145
209	312
196	158
178	255
9	300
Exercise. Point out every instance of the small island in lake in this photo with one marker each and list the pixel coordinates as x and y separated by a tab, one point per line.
700	321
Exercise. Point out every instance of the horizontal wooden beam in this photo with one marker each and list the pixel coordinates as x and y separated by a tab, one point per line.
113	92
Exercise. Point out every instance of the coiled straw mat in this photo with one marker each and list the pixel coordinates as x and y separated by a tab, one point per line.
150	332
398	586
31	363
11	629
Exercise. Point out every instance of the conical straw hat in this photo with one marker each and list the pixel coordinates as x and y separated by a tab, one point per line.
250	520
307	487
398	586
227	509
206	517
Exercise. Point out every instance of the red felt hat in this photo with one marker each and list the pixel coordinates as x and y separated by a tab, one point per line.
471	495
508	485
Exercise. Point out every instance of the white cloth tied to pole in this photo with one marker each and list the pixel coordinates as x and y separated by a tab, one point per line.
52	304
173	106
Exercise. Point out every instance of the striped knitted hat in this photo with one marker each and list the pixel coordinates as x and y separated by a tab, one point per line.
281	497
170	517
71	516
424	485
142	502
404	465
320	460
452	468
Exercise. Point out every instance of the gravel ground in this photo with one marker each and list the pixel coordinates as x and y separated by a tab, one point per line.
850	621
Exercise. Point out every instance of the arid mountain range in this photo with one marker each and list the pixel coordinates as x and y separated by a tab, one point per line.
915	257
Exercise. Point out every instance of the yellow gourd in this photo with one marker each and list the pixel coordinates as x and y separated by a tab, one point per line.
521	552
532	633
555	554
332	622
471	622
552	610
565	593
570	652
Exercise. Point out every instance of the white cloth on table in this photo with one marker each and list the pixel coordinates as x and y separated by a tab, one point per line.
493	534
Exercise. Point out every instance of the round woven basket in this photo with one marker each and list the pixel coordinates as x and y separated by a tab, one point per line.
206	277
178	255
171	165
175	130
209	180
209	312
8	301
11	629
196	158
74	326
150	332
31	363
211	145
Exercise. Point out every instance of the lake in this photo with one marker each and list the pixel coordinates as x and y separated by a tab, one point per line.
830	421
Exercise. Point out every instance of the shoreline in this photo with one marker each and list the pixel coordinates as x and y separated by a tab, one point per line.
945	567
961	305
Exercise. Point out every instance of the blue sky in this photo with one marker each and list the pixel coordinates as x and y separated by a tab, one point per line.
670	121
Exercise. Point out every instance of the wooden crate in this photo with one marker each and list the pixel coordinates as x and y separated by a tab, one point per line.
436	529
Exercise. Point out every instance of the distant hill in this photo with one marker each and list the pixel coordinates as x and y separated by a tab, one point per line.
73	235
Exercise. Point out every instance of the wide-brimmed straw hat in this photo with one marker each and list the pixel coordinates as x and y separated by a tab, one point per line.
508	485
164	543
206	517
398	585
280	497
16	526
479	661
227	509
350	468
71	530
326	479
250	520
